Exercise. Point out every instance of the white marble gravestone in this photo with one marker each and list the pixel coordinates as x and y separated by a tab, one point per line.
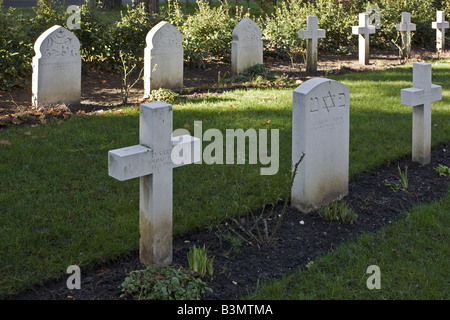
246	47
311	34
364	30
320	130
405	28
163	58
56	68
420	97
153	161
440	25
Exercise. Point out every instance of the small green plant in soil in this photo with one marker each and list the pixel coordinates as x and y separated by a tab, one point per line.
167	283
403	182
338	210
392	184
404	177
165	95
199	262
443	171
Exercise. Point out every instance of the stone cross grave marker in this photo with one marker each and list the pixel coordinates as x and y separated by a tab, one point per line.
246	47
364	30
311	34
56	68
420	97
153	161
320	130
405	28
163	58
440	25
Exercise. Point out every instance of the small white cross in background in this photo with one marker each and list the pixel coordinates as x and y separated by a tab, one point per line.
364	30
311	34
420	97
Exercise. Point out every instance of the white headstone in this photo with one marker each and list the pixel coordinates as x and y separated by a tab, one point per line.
56	68
420	97
440	25
320	130
405	28
246	47
163	58
364	30
153	161
311	34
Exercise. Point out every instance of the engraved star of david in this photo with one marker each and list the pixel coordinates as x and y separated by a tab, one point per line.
329	101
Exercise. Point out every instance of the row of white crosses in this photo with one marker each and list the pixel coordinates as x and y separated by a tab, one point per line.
364	30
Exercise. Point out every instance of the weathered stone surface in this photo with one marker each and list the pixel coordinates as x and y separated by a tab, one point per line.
364	30
420	97
320	130
405	28
153	162
163	58
311	34
440	25
56	68
246	47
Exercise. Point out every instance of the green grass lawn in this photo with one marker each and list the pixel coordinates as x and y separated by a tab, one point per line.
60	207
412	255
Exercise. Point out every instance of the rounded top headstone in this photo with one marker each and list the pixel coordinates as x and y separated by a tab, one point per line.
57	42
247	30
164	38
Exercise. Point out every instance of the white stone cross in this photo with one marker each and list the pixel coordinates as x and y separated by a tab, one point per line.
405	28
311	34
420	97
364	29
440	25
153	161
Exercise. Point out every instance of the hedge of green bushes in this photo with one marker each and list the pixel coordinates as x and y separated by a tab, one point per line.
206	33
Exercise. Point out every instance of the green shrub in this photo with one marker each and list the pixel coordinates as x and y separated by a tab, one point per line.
16	49
96	39
207	32
168	283
422	14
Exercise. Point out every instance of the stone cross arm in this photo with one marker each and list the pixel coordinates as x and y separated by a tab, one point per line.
363	30
406	25
138	161
440	23
414	96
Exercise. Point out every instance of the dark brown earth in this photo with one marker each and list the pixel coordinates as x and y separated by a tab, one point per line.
238	269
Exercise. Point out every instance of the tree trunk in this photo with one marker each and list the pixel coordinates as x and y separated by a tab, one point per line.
150	5
109	4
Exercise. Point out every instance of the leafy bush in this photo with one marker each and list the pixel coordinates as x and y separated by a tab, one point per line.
16	49
422	14
168	283
207	32
280	29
